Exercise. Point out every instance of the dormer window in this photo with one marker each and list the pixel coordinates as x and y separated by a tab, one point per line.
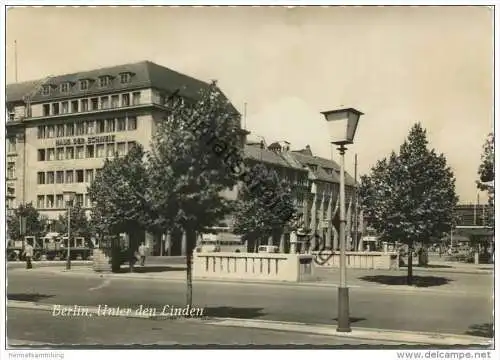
124	78
46	90
104	81
328	170
84	84
65	87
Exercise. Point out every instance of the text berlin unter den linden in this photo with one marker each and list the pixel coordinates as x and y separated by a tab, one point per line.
139	311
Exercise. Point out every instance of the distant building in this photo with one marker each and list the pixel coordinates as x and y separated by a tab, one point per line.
474	215
321	215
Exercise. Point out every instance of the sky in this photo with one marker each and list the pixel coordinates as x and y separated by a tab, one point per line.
398	65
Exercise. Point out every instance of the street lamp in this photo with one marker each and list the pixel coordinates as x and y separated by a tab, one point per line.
68	197
342	125
261	145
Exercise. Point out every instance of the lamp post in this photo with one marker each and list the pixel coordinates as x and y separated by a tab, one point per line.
342	125
69	196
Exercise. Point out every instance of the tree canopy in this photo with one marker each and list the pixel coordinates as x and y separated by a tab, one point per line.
35	224
264	206
117	194
486	169
189	164
410	196
80	225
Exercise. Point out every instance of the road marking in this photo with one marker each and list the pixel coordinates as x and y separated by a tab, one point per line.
105	283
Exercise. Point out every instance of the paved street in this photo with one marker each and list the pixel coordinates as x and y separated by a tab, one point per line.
38	326
463	306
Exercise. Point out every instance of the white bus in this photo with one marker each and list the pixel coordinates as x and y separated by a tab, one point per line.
220	239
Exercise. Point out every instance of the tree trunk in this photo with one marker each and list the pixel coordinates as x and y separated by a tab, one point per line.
189	279
256	244
422	258
190	245
131	253
409	279
282	243
115	255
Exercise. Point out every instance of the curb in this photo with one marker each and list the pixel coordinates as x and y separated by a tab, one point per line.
455	270
44	264
16	343
403	337
317	284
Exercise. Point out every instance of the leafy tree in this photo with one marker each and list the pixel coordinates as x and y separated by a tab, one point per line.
193	157
35	224
410	196
264	208
486	171
80	224
118	200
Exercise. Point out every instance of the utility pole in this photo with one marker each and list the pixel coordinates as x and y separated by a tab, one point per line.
15	58
475	213
477	202
245	117
356	216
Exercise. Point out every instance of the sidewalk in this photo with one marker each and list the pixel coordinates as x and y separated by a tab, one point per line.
454	267
229	328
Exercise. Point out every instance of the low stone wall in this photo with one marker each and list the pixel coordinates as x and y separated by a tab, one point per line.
358	260
253	266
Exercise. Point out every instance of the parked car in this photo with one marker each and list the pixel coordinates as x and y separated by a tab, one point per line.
208	247
268	249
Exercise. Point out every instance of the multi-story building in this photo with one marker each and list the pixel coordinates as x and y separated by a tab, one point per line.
61	129
292	173
322	199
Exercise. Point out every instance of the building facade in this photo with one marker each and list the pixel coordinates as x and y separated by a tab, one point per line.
474	215
321	209
61	129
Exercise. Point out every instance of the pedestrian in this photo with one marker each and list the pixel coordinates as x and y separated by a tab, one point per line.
142	253
28	254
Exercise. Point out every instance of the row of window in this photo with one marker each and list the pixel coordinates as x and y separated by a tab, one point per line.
85	151
84	84
92	104
11	144
11	170
67	176
89	127
56	201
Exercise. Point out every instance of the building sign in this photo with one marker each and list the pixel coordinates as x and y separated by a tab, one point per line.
89	140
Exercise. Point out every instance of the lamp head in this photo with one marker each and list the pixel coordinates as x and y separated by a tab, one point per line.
342	125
